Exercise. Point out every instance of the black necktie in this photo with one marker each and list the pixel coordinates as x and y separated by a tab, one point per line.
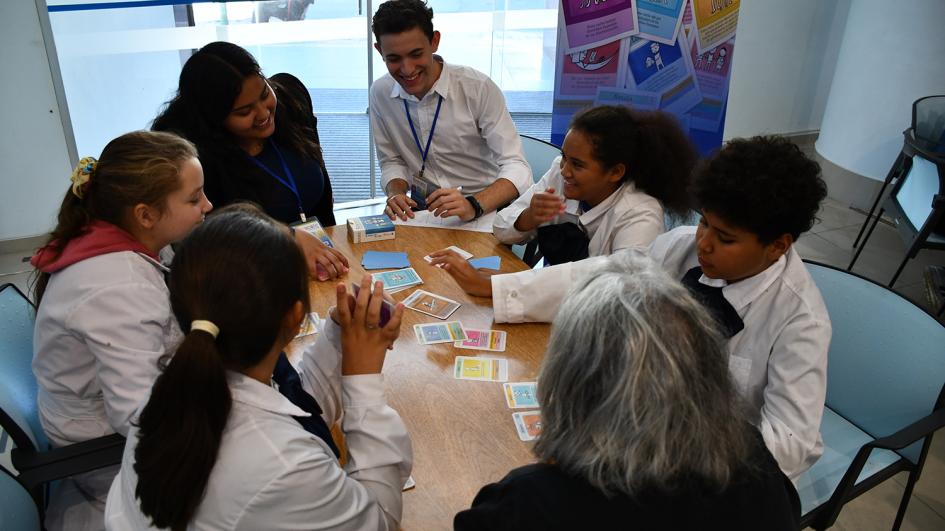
290	385
711	297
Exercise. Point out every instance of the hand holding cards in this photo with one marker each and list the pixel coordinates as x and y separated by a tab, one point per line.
364	341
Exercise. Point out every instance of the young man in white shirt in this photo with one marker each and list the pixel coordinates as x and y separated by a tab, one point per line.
438	126
757	196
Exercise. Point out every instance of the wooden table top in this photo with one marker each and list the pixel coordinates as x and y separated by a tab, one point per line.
462	431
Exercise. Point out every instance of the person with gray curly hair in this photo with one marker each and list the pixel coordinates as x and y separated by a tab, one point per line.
641	421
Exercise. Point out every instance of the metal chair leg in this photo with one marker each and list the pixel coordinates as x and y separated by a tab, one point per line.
893	172
865	238
904	504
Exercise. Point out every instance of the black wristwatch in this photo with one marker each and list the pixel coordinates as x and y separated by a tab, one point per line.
476	206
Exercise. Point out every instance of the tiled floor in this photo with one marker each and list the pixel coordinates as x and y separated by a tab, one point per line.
829	241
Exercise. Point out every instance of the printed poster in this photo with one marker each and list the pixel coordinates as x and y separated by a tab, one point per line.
664	69
714	22
591	23
713	69
635	99
659	20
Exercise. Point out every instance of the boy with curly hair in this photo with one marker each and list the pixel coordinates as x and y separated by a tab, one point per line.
756	196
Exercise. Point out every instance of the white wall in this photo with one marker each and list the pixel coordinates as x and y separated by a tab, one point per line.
36	165
785	55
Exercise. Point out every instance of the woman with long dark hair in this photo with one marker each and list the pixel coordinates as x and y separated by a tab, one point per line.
257	139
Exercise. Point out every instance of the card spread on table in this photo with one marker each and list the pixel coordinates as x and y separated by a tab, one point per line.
463	253
384	260
432	333
309	325
527	424
483	340
521	394
431	304
483	369
398	280
487	262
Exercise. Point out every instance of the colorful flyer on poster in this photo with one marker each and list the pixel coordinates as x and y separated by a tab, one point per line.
635	99
664	69
713	69
590	23
582	72
659	20
715	22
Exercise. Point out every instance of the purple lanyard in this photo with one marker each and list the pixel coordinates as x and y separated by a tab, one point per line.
416	138
288	182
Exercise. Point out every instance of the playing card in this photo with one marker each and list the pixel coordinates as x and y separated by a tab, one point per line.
483	340
397	280
527	424
409	484
387	309
419	191
466	255
483	369
431	333
309	325
430	304
521	394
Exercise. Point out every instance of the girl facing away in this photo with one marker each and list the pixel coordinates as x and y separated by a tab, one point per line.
232	436
103	316
618	172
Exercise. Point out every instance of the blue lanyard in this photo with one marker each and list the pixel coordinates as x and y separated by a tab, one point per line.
423	152
288	182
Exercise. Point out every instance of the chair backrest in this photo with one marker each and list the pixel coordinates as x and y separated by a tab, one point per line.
539	155
18	511
928	123
886	365
915	190
17	383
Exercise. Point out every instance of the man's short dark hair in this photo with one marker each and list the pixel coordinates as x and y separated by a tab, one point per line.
764	185
398	16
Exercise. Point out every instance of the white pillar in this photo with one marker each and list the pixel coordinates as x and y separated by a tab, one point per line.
892	54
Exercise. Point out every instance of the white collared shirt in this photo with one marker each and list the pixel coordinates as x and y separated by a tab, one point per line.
626	218
474	143
778	361
272	474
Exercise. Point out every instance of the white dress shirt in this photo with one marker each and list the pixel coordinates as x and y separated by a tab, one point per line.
627	218
101	327
272	474
474	143
778	361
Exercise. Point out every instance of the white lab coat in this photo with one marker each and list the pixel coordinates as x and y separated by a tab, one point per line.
272	474
627	218
778	361
101	327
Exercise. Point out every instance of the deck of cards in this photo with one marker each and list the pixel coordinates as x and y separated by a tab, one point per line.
419	191
482	369
395	281
431	304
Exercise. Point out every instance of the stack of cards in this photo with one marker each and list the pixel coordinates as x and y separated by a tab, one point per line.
419	191
433	333
482	369
395	281
483	340
430	304
466	255
384	260
370	228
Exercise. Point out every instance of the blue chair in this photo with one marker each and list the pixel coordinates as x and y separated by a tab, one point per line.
18	512
539	155
885	394
33	458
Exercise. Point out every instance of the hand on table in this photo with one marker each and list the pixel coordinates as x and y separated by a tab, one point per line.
399	206
445	202
474	281
364	344
324	263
